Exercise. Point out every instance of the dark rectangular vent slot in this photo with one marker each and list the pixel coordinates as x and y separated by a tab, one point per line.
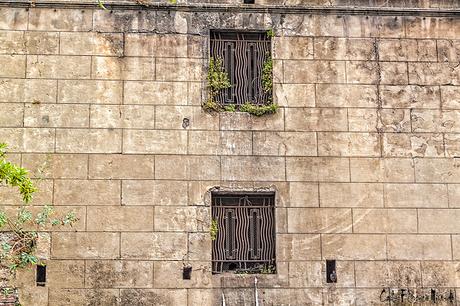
41	275
331	272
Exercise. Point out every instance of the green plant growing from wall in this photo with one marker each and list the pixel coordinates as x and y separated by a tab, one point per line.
217	80
20	231
267	75
270	33
214	229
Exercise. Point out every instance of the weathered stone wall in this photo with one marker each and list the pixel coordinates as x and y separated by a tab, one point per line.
362	152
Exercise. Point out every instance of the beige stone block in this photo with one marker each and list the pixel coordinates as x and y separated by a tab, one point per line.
179	69
317	169
437	170
13	19
55	115
393	73
88	141
12	42
41	42
414	50
61	67
91	43
374	26
439	221
413	145
21	90
415	195
291	47
119	218
441	274
253	168
294	95
333	95
120	166
126	68
453	191
316	119
305	274
352	195
65	273
28	140
285	143
410	96
456	246
302	71
370	221
154	246
119	274
166	297
344	247
197	191
168	274
298	247
196	91
13	66
199	246
331	48
278	296
450	97
395	274
172	117
89	91
182	219
156	45
187	167
431	27
68	166
362	72
374	120
123	116
161	93
434	74
83	297
12	114
427	120
319	220
449	50
74	245
348	144
87	192
158	193
60	20
203	297
10	195
419	247
303	194
123	21
382	170
220	143
155	142
244	121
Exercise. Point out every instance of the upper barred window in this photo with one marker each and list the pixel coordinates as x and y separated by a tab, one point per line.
246	59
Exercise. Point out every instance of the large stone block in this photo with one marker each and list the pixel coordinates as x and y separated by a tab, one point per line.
437	221
22	90
154	142
75	245
199	246
121	166
13	19
172	117
362	72
286	47
393	73
317	169
395	274
123	68
413	145
54	115
158	193
284	143
332	48
316	119
305	274
438	274
449	50
431	27
83	297
65	273
375	120
344	247
119	218
450	97
35	140
181	219
179	69
60	20
160	93
348	144
253	168
435	121
403	50
60	67
90	92
168	274
410	96
416	195
87	192
298	247
12	42
119	274
375	221
319	220
434	74
165	297
437	170
88	141
294	95
303	194
13	66
12	115
220	143
91	43
156	45
302	71
154	246
123	116
382	170
419	247
176	167
41	42
333	95
374	26
453	191
352	195
244	121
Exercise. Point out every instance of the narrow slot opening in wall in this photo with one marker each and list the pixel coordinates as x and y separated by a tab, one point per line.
249	1
41	276
331	272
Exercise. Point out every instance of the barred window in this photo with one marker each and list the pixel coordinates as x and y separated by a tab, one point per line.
244	55
244	238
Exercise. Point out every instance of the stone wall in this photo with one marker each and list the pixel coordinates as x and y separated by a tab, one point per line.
361	154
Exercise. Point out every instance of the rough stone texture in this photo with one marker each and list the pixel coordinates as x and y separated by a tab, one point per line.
361	153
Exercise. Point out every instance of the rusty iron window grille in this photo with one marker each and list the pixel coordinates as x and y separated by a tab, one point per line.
245	240
243	55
